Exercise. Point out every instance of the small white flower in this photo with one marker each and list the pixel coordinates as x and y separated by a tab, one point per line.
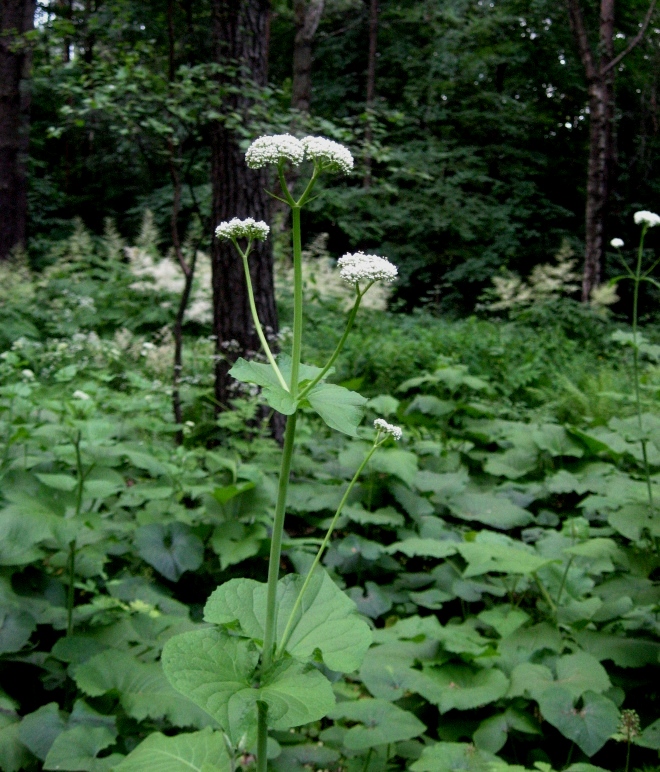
331	155
274	148
382	426
190	424
242	229
28	375
616	243
360	267
650	219
78	394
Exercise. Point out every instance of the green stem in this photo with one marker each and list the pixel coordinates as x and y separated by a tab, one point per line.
545	593
297	300
71	565
262	737
563	579
349	325
628	755
292	616
368	760
255	317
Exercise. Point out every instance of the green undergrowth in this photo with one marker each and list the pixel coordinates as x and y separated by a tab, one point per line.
504	553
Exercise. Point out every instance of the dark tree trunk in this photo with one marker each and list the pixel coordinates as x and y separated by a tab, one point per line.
240	30
16	18
307	14
371	85
599	73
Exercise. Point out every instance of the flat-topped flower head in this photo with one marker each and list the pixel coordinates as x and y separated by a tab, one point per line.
650	219
354	268
616	243
328	154
242	229
393	431
274	148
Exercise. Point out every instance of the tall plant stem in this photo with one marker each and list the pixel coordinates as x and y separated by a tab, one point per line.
273	576
292	616
297	299
638	400
71	559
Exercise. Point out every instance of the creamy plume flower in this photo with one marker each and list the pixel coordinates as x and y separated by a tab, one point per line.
616	243
650	219
330	155
382	426
79	394
354	268
242	229
272	149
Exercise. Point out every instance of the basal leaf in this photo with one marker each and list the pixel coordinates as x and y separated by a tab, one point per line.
431	548
218	672
340	408
171	548
452	757
483	558
462	688
624	652
326	621
493	732
650	737
203	751
580	672
590	726
495	511
379	723
77	750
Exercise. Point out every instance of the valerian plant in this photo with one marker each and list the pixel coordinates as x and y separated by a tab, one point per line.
261	663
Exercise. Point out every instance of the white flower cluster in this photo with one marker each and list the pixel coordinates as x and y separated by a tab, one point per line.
360	267
616	243
650	219
382	426
79	394
329	154
242	229
274	148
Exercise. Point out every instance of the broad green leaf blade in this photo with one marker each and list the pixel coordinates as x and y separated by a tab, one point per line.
380	723
326	621
203	751
493	732
170	548
483	558
460	687
76	750
492	510
430	548
580	672
589	726
451	757
142	688
340	408
650	737
39	730
264	375
218	672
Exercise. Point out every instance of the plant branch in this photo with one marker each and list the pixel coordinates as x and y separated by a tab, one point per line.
634	42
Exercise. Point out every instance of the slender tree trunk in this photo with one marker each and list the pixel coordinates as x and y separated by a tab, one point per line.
307	14
16	18
240	30
599	72
371	85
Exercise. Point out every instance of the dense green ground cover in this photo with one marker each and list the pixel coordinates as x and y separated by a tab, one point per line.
505	552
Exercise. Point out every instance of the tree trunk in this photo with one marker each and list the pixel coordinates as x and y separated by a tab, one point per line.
240	30
16	18
307	14
599	73
371	86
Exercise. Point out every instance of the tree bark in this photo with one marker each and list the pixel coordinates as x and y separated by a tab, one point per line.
371	85
600	74
307	15
240	34
16	18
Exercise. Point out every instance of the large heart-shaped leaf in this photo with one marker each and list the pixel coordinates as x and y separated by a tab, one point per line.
484	557
326	620
77	749
203	751
171	548
380	723
452	757
271	389
340	408
460	687
589	726
217	671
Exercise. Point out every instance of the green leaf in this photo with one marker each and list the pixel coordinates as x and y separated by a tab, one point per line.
20	534
170	548
580	672
300	758
430	548
492	510
460	687
512	463
203	751
504	619
650	737
218	671
340	408
452	757
380	723
387	670
39	730
483	558
624	652
264	375
61	482
143	690
228	492
77	749
493	732
589	726
14	756
234	542
530	680
326	621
